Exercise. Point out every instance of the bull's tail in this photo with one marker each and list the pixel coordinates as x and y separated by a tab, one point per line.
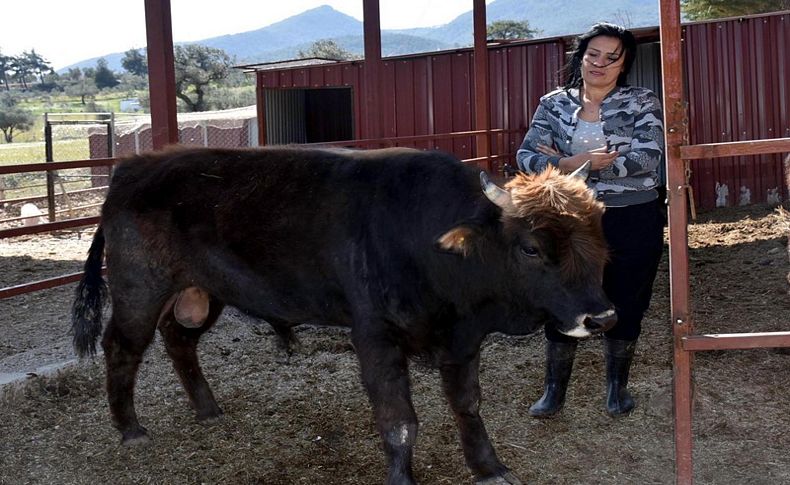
86	312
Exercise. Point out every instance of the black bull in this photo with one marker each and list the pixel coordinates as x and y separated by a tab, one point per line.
402	246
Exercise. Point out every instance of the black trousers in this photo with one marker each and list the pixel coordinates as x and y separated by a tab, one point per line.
635	235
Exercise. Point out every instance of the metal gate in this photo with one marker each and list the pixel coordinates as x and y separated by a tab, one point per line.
678	155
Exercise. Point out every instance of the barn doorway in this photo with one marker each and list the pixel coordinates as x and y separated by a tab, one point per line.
308	115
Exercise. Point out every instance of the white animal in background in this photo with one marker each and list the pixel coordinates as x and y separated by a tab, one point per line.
32	215
773	198
746	196
722	191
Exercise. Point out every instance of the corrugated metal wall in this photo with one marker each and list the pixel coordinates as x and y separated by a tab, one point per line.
288	129
429	94
737	75
738	88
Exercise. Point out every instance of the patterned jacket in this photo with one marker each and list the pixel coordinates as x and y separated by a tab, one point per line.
632	125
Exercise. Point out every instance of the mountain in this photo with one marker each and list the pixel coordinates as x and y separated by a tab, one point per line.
564	17
284	39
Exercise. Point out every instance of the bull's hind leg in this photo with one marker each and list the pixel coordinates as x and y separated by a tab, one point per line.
126	338
181	344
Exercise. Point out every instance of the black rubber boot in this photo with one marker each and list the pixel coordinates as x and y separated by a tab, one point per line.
559	363
619	355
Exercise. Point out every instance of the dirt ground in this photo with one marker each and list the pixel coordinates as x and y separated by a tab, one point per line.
307	420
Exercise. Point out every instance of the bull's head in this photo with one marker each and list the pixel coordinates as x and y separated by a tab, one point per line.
551	238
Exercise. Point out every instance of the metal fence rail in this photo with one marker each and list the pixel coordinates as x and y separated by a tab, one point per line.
494	163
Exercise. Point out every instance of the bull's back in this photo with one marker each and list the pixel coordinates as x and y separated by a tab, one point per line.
294	225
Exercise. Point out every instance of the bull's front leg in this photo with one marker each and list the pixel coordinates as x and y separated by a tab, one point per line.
385	375
462	388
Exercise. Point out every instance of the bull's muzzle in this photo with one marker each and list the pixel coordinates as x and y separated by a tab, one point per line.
600	322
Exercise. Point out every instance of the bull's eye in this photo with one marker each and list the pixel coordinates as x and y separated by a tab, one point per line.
530	251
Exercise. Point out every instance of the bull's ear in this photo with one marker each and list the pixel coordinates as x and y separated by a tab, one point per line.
459	240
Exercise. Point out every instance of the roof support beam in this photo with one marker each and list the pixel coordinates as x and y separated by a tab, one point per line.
482	101
371	24
161	73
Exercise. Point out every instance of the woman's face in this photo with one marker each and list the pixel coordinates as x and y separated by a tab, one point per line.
602	62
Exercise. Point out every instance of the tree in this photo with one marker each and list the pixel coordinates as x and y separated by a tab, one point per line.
81	83
715	9
12	117
38	65
22	70
5	66
197	67
135	63
326	49
510	29
104	77
29	66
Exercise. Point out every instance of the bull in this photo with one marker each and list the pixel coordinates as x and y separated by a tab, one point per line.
419	254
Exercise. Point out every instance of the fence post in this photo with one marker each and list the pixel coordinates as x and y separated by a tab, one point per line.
49	157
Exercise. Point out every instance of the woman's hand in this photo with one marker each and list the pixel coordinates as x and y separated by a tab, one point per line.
600	158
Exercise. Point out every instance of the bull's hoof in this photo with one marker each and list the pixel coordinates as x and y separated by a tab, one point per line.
209	417
135	437
507	478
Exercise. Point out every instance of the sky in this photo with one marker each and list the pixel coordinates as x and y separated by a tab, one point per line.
69	31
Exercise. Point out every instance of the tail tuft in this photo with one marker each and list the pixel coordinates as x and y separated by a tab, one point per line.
90	295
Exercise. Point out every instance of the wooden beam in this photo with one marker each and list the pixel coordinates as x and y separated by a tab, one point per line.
161	73
482	101
371	24
682	325
732	341
735	148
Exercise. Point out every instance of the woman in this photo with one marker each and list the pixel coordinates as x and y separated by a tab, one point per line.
597	117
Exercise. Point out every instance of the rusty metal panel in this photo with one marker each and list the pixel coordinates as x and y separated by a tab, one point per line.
285	116
316	77
286	78
442	89
387	98
333	75
520	75
270	79
497	73
423	100
738	83
350	76
405	86
300	78
461	120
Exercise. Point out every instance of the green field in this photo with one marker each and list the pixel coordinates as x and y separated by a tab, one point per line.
104	103
33	152
31	184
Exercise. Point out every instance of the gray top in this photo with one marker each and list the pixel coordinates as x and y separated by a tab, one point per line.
632	124
589	136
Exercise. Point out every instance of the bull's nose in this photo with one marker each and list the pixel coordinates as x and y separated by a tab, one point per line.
601	322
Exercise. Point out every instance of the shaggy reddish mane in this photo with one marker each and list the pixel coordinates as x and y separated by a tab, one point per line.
564	206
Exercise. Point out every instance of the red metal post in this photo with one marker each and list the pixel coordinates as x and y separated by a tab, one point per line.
675	117
482	101
161	73
373	66
261	108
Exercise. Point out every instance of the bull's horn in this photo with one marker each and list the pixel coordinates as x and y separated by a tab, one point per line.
495	194
583	171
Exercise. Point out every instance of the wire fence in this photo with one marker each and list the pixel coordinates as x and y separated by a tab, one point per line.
32	197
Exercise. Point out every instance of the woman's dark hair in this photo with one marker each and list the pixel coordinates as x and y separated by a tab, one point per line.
573	70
